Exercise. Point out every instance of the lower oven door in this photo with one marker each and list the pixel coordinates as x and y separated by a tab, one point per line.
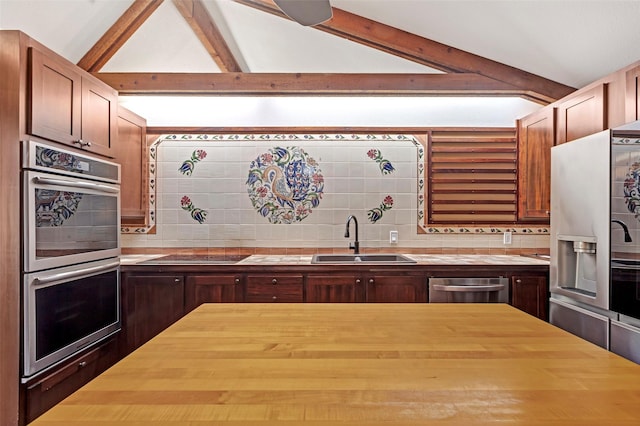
625	290
68	309
469	290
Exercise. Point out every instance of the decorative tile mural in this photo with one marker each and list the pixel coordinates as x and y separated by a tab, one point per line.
237	185
285	184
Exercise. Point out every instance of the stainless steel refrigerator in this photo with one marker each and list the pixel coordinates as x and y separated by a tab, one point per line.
589	217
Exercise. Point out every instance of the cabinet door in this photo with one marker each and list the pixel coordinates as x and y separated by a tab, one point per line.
130	153
338	288
154	302
274	288
582	114
56	95
535	139
99	117
212	288
632	98
397	289
530	294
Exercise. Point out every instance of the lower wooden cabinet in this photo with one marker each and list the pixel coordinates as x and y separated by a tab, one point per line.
530	294
151	303
278	288
335	288
397	289
45	390
212	288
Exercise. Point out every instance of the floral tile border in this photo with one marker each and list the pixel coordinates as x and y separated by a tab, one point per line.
423	227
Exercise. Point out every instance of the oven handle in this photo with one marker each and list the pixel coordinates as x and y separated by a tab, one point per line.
74	274
468	288
83	185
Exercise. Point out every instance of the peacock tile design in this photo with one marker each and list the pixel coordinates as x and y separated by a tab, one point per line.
199	215
376	213
285	184
188	165
385	165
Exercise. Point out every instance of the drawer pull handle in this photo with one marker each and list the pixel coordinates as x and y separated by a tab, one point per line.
82	364
358	281
274	281
518	281
237	280
274	297
371	281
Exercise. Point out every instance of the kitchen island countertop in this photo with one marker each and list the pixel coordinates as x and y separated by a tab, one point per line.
362	364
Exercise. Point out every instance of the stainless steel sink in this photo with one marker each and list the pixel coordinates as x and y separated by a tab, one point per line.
361	258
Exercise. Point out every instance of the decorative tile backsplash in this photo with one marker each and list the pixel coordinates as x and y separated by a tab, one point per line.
296	191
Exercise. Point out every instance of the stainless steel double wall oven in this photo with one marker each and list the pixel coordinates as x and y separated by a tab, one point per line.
71	248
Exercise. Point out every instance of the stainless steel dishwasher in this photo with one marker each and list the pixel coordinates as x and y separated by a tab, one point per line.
469	290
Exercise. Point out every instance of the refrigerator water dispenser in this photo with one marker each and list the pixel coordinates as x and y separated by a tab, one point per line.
577	264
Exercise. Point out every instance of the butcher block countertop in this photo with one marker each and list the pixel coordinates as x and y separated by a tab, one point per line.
360	364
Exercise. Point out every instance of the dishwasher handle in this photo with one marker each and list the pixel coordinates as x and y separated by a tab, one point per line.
468	288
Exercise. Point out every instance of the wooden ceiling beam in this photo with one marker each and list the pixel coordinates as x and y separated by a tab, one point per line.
118	34
424	51
276	84
200	21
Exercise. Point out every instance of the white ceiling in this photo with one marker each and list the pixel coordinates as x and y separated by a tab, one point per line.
569	41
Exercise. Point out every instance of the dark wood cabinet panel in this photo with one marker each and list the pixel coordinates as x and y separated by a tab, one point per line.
212	288
397	289
530	294
130	153
46	390
278	288
334	288
152	303
581	114
69	106
535	139
632	95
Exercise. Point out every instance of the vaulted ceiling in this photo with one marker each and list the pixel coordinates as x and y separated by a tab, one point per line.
536	50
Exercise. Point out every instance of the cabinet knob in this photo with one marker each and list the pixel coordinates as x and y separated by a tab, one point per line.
518	281
358	281
237	281
79	142
274	298
274	281
87	144
82	364
177	280
371	280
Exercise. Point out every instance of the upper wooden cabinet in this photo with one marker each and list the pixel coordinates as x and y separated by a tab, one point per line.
130	152
582	113
536	137
632	95
69	106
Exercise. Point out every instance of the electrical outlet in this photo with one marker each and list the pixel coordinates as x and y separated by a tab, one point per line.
506	237
393	237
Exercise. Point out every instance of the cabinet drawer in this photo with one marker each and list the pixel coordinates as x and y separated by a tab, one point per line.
264	289
46	390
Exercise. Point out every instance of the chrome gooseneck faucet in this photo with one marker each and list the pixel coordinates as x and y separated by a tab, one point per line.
355	245
627	236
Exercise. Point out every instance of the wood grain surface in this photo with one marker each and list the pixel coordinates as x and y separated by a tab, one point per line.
360	364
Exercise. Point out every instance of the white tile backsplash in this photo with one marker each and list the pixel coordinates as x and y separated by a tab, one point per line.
353	184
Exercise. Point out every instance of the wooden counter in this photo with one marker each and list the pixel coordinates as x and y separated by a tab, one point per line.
360	364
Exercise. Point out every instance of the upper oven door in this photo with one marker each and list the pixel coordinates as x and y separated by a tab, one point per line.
68	220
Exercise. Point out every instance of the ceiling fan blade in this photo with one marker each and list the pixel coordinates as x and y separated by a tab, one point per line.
306	12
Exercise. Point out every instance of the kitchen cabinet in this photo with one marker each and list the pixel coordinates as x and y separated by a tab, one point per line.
396	288
131	153
279	288
371	287
632	95
581	113
212	288
335	288
530	294
151	303
536	137
70	106
45	390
